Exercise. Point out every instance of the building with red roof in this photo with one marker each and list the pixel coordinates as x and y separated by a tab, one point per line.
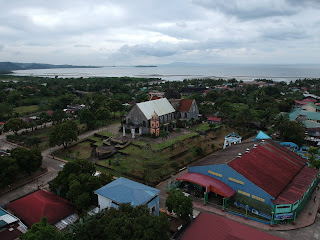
214	120
262	173
213	227
42	203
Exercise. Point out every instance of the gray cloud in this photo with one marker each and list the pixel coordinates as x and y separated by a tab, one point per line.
158	31
246	10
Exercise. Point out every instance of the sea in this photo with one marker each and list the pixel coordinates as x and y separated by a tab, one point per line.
243	72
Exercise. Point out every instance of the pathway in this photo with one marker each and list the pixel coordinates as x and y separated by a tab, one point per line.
53	165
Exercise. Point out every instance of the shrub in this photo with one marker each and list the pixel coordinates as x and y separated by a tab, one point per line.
175	165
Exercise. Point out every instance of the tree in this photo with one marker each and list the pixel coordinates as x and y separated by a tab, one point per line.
113	106
76	182
291	131
58	116
86	116
63	134
44	231
127	222
27	160
33	141
5	110
44	117
103	114
14	124
8	171
179	203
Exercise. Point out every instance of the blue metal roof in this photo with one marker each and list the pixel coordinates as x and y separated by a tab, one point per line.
262	135
124	190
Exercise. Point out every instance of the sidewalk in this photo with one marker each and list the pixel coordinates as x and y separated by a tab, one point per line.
303	220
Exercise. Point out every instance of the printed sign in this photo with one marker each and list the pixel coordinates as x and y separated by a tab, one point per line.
282	216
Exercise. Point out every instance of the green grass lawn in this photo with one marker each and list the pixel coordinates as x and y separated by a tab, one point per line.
26	109
203	127
157	147
106	133
132	150
80	151
94	138
139	143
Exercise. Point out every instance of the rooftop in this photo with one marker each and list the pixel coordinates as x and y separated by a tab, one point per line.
268	165
31	208
123	190
213	227
160	106
185	105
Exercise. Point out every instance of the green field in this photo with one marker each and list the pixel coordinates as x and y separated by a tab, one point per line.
157	147
106	134
80	151
26	109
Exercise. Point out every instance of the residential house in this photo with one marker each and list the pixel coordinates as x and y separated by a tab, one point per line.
123	190
42	203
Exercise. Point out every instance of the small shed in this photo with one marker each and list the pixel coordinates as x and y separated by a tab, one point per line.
123	190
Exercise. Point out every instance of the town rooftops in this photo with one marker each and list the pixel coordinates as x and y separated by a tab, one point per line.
42	203
213	227
123	190
160	106
295	113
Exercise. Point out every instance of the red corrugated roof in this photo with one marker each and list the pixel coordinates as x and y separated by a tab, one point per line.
155	98
309	100
214	119
185	105
297	187
213	227
213	185
270	166
300	102
31	208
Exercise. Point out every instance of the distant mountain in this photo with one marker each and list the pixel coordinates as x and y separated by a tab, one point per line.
9	66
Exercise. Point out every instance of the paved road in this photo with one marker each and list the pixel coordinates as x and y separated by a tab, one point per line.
308	233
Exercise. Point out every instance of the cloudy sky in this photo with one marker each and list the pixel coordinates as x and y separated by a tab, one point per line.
116	32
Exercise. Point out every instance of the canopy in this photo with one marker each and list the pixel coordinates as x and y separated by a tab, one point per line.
211	184
261	135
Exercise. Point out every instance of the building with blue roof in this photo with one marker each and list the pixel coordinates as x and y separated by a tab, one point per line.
261	136
123	190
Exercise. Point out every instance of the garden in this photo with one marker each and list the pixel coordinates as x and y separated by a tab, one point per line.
148	159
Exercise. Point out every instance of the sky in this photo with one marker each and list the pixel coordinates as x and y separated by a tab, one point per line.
132	32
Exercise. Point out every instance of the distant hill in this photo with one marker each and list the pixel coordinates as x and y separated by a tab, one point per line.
9	66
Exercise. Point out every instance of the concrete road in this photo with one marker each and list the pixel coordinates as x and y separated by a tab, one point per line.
308	233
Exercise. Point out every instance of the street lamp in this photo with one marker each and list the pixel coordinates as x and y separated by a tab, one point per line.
272	215
247	206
